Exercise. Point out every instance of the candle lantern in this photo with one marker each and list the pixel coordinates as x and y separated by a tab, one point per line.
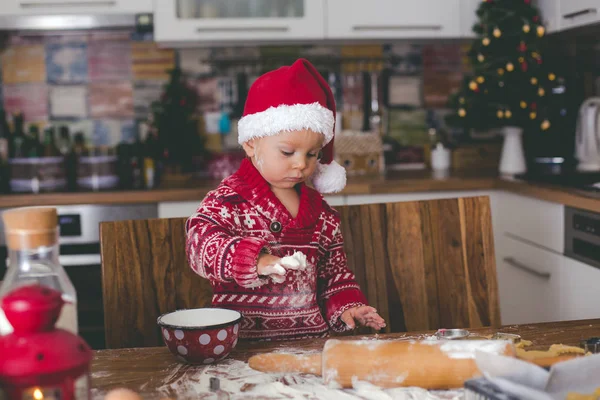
37	360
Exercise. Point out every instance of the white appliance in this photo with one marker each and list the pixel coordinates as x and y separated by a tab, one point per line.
587	136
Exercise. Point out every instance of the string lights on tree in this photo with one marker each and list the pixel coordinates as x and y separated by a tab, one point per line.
511	82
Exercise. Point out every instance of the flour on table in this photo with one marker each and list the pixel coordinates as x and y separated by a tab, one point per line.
238	381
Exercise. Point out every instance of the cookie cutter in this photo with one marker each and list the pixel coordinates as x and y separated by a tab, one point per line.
452	334
215	384
591	345
513	337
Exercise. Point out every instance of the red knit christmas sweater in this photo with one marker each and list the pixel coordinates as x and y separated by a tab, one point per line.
243	217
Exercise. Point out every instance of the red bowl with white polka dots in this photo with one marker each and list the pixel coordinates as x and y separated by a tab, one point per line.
200	335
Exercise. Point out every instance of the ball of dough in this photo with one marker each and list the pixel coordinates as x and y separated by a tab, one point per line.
122	394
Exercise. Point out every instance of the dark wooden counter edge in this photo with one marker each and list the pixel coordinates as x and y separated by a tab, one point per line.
356	186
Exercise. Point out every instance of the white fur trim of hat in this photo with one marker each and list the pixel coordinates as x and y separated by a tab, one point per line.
295	117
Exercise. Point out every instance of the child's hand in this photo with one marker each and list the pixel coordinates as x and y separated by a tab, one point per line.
269	265
364	315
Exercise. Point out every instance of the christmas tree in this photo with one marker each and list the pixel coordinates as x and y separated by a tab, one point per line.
174	119
513	82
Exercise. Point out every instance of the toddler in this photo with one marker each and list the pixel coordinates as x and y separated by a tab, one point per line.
270	245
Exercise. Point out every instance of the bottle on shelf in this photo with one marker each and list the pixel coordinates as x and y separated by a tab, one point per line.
50	149
32	240
137	160
33	144
4	153
64	140
79	146
17	144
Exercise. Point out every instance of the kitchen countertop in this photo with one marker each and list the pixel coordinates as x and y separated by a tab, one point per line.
390	183
156	374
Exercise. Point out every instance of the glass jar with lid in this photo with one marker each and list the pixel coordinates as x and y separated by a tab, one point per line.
32	240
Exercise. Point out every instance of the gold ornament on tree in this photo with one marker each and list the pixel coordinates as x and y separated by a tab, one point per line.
526	28
540	31
497	32
486	41
545	125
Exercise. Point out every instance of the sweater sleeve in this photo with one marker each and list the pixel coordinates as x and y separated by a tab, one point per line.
215	252
338	290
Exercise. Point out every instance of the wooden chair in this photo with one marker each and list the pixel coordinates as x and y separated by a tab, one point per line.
422	264
425	264
145	274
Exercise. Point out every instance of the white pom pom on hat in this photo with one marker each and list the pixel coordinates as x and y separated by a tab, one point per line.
293	98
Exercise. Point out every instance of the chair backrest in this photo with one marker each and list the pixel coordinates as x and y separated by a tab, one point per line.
425	264
422	264
145	274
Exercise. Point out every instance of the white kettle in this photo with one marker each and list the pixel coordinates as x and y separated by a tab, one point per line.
587	136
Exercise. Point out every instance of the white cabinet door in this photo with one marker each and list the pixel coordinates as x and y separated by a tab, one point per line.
208	21
549	9
536	221
468	17
580	290
389	19
574	13
528	282
54	7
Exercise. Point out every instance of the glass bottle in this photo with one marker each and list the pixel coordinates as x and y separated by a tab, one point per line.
4	153
32	239
50	149
17	145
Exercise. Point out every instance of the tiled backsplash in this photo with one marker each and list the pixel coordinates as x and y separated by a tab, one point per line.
102	82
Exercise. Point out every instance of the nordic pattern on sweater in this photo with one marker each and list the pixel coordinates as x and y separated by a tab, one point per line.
226	235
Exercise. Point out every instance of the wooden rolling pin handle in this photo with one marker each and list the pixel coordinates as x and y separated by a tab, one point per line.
283	362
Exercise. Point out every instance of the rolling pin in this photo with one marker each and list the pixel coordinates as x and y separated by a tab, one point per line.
388	363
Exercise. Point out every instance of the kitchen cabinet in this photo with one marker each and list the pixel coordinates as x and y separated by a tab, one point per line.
579	286
390	19
575	13
207	21
549	10
468	17
530	220
528	282
71	7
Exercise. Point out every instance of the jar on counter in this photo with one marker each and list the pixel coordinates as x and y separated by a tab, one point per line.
32	239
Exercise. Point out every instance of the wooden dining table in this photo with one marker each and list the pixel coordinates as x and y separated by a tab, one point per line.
155	373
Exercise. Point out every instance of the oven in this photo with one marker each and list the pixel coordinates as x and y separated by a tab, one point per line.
80	257
582	236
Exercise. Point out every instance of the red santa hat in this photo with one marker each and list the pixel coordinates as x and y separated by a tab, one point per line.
293	98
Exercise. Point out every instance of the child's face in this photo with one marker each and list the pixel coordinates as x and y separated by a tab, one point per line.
286	159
